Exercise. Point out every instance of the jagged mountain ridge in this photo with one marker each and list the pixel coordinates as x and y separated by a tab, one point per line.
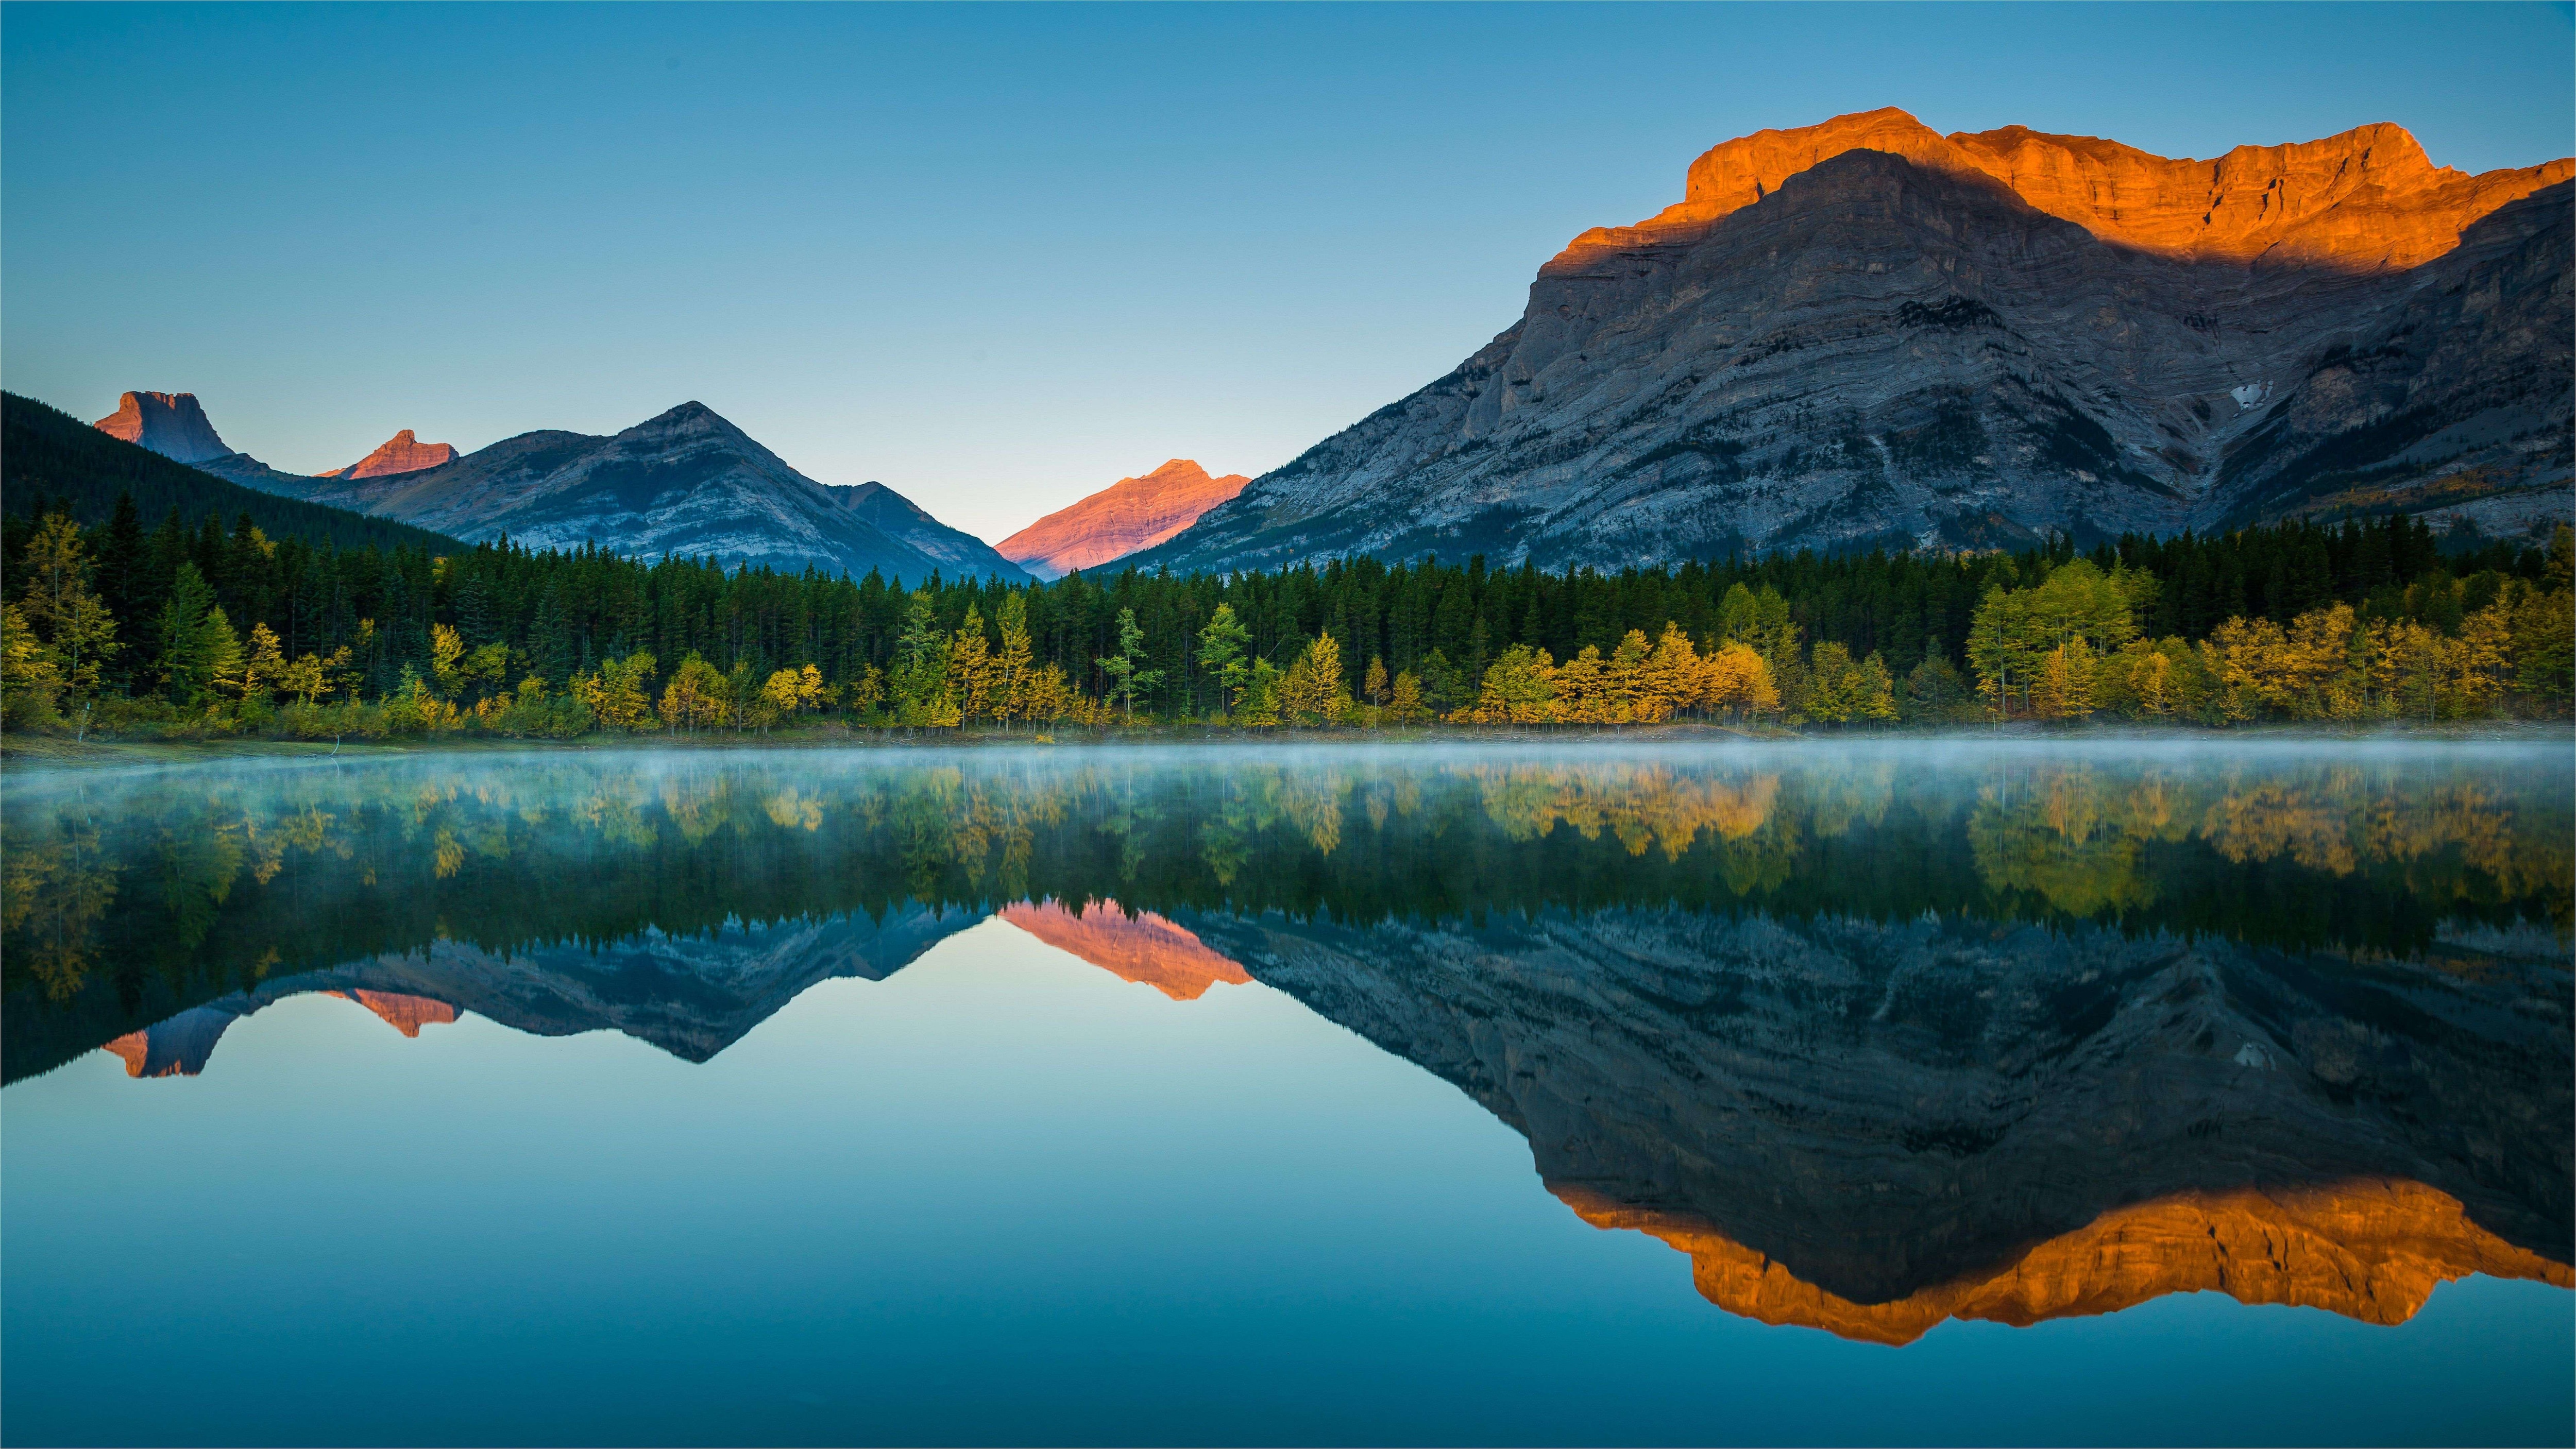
691	996
1130	514
687	482
1864	332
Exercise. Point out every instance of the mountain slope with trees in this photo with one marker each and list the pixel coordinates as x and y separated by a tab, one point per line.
47	454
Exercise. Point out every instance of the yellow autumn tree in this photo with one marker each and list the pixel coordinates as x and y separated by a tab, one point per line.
1519	688
1738	681
1671	679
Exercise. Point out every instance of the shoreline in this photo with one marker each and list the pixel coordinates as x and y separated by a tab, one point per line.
30	754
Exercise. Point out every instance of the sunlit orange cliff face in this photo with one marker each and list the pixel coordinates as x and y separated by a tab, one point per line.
1129	514
2372	1249
2363	200
1144	947
402	453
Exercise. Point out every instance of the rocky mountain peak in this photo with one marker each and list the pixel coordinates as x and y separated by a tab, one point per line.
688	415
402	453
1128	515
169	423
1864	333
2365	199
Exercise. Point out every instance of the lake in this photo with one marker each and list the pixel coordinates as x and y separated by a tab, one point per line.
1921	1092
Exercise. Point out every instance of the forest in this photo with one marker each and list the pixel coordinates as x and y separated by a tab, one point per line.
213	628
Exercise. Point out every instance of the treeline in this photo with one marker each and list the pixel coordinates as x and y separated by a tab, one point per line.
206	627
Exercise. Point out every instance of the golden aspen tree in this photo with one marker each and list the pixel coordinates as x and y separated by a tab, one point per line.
1624	680
1671	680
1582	692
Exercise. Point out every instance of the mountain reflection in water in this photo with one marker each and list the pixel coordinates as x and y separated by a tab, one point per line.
1877	1037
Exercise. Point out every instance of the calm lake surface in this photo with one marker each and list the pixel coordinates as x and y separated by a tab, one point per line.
1942	1093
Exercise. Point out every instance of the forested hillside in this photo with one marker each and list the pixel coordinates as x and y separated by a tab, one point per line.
47	456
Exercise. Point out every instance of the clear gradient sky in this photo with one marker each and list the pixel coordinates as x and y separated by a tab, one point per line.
993	256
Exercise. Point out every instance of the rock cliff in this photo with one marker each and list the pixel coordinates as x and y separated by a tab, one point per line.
1128	515
169	423
1866	332
402	453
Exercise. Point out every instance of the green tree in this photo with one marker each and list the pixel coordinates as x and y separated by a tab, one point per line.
1124	677
1011	667
72	621
198	645
1223	647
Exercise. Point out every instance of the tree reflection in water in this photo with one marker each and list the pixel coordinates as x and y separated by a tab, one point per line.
1878	1037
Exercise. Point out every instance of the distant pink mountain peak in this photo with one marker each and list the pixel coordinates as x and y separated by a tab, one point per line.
169	423
402	453
1129	514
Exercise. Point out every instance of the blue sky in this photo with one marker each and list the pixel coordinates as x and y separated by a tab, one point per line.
995	256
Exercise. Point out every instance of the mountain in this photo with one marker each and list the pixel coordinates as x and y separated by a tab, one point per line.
1869	1126
691	996
1865	332
173	425
687	482
169	423
953	551
402	453
1129	514
47	453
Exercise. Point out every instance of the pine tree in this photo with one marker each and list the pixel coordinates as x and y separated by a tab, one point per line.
1125	678
1222	647
1011	666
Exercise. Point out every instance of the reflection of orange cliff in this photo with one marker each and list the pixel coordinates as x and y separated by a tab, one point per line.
136	1048
181	1045
2370	1249
406	1014
1143	947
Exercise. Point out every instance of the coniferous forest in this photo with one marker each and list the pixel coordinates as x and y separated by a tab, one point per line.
218	617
